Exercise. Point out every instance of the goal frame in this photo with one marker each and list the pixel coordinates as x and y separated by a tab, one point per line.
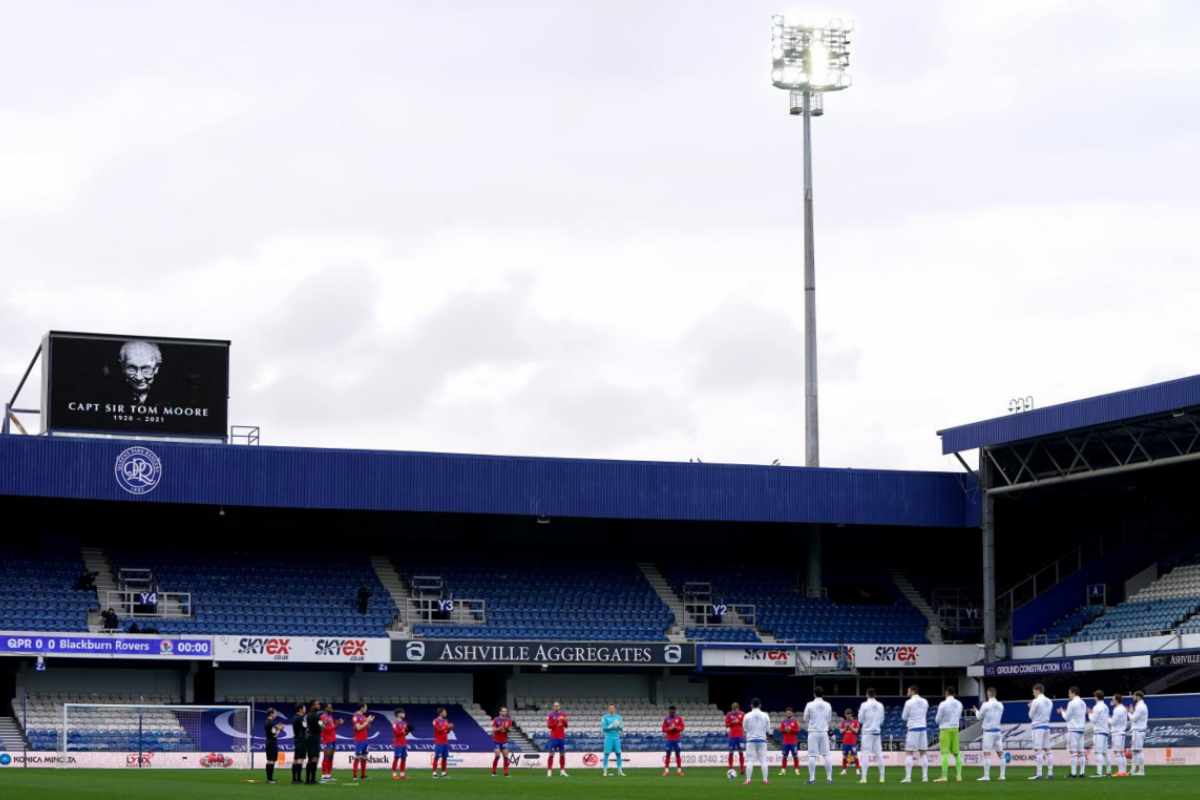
64	747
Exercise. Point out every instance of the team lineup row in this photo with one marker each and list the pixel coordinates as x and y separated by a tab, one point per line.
314	731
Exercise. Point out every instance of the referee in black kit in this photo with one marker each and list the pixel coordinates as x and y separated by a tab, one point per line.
313	721
271	731
299	743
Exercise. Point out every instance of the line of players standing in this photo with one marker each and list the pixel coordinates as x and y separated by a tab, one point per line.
1111	725
315	734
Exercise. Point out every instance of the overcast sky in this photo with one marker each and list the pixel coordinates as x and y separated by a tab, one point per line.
574	229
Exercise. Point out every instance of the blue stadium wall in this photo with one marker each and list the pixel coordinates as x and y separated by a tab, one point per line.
285	477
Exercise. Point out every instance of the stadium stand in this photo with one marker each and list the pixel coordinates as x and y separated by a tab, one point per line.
388	702
37	593
1162	606
722	634
791	617
643	722
107	729
605	601
161	730
1067	625
278	594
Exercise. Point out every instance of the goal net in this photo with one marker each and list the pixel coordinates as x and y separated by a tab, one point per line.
152	735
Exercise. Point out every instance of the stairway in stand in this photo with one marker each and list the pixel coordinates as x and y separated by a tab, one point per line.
95	560
11	738
668	596
396	588
934	630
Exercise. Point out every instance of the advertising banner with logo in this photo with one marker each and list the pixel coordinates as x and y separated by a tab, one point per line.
914	655
750	657
1175	660
119	760
302	649
576	760
768	657
1050	666
474	651
869	656
101	383
119	645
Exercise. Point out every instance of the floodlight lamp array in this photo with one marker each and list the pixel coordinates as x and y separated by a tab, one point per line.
812	58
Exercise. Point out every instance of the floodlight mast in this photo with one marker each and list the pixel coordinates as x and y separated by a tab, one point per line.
807	61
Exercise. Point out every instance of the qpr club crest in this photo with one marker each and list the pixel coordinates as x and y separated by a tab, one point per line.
138	470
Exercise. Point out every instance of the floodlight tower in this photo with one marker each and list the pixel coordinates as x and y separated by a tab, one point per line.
809	60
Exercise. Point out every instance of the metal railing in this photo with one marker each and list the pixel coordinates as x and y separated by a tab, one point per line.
135	579
425	610
957	610
1050	575
721	615
245	434
150	604
703	611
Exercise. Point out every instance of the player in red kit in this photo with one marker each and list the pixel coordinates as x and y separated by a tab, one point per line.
672	728
328	743
361	724
556	722
737	736
789	730
441	741
500	727
400	731
849	728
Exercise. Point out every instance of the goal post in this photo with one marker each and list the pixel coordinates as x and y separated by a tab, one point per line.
141	735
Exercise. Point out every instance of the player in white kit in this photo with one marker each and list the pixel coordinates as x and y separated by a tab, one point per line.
817	716
916	739
1075	715
1101	733
1119	725
990	714
1040	709
870	715
757	725
1138	722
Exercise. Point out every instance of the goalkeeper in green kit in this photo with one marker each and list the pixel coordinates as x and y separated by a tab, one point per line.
612	726
949	715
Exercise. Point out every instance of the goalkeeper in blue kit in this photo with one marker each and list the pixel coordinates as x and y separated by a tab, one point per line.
612	726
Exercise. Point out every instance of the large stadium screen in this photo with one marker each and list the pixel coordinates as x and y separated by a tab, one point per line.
102	383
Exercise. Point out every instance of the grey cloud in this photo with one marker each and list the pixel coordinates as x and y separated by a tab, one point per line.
568	406
743	346
349	368
324	312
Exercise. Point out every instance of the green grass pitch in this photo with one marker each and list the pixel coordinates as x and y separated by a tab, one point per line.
701	783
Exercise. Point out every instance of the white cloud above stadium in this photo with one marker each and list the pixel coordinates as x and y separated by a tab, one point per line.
477	230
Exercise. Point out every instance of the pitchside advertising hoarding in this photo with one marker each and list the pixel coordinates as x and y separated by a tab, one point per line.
1052	666
579	760
609	654
1176	660
145	385
302	649
868	656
